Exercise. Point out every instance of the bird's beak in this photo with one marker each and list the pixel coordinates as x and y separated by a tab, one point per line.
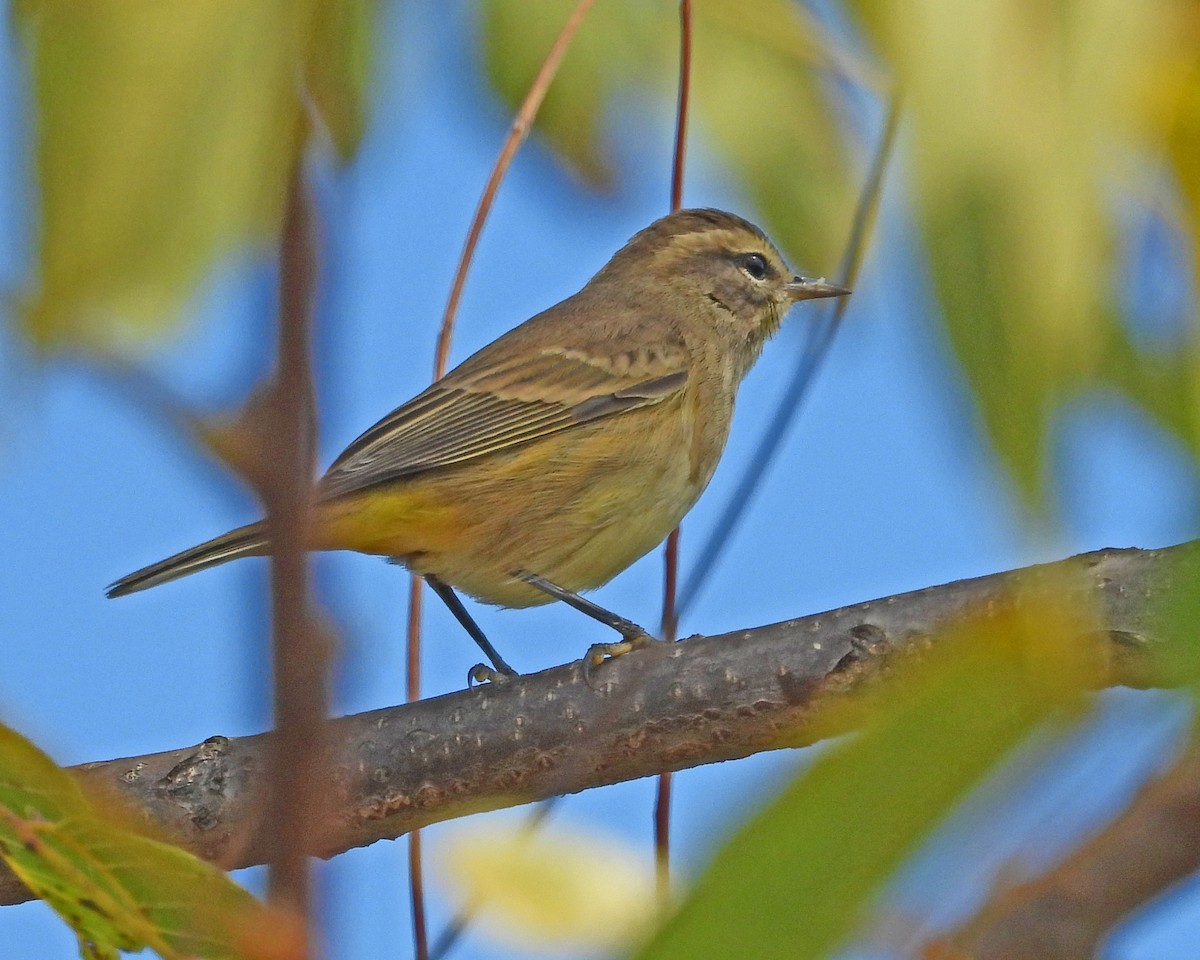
803	288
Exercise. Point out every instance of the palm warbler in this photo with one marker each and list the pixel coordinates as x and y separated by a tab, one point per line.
562	452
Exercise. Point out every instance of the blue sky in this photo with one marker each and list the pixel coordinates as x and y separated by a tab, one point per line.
884	483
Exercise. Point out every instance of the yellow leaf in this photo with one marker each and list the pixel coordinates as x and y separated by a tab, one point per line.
553	888
1026	120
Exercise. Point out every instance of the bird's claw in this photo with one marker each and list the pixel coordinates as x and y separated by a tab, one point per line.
481	673
598	653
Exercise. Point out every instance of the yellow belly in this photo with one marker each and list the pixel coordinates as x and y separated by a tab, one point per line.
576	508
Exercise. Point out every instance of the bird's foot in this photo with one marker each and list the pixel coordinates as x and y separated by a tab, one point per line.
481	673
633	638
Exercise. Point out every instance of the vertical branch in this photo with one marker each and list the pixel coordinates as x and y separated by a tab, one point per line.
416	874
517	134
682	107
670	616
298	654
662	797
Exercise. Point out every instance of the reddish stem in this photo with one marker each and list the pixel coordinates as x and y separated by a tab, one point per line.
416	875
517	134
681	111
662	803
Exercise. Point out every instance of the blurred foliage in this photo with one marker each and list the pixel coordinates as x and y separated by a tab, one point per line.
165	136
1177	625
339	69
815	858
758	98
117	889
166	132
550	889
1027	122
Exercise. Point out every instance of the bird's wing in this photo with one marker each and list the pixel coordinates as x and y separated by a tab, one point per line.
484	407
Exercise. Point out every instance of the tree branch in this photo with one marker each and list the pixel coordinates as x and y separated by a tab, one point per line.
1068	912
668	707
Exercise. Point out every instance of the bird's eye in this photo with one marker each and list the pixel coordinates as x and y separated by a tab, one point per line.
755	264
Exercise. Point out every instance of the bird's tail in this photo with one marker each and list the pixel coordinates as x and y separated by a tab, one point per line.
248	541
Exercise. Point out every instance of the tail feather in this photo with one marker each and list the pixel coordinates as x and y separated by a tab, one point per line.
248	541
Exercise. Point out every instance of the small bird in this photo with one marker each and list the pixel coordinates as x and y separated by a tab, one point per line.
563	451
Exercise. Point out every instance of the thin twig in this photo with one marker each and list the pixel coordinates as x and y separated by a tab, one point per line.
670	615
521	126
805	372
681	109
299	659
416	874
518	132
662	797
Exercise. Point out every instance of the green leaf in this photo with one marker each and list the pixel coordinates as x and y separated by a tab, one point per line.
1175	623
339	69
757	97
816	857
166	133
117	889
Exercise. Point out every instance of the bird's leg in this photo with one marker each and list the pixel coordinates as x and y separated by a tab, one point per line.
633	637
481	672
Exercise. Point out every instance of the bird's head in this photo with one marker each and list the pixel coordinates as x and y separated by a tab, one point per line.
717	263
